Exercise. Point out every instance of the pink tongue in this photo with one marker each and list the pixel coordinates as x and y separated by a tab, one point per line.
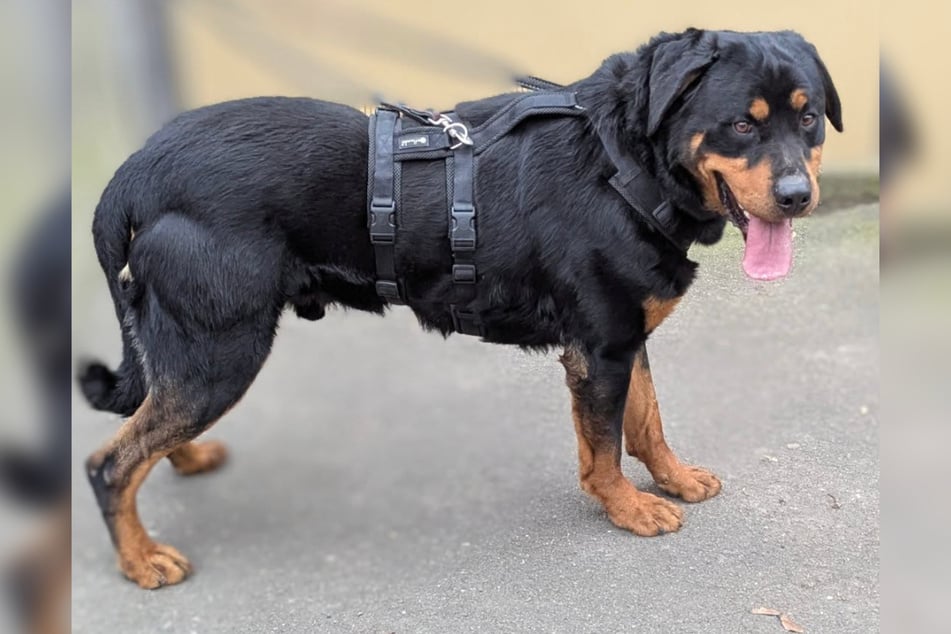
768	249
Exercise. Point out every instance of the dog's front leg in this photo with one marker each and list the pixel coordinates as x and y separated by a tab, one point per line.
598	384
644	438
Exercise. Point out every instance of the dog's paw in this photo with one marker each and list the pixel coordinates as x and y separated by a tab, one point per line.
692	484
645	514
154	566
198	457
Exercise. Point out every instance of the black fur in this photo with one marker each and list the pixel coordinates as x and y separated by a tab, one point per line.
244	208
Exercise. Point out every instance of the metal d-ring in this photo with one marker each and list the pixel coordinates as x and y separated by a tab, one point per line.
456	130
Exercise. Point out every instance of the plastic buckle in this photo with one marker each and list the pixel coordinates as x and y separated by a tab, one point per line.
388	290
466	322
463	274
382	222
462	237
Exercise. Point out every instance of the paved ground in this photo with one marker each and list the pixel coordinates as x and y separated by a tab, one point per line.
447	501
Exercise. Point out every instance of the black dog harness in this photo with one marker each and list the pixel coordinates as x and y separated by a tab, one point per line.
399	133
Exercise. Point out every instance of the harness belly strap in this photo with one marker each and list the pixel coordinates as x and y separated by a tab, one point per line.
462	241
381	211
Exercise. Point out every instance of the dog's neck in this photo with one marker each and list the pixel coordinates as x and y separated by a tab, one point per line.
616	98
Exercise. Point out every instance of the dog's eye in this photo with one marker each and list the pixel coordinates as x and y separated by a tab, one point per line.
808	119
743	127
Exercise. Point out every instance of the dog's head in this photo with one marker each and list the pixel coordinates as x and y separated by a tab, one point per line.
742	115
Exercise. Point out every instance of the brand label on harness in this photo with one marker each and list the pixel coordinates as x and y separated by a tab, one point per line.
414	141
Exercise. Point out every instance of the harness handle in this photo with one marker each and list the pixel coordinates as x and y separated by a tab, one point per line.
533	83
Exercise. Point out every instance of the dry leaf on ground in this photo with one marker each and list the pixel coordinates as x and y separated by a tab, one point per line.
784	619
789	625
766	611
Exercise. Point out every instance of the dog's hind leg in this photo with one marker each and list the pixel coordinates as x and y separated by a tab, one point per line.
203	325
117	470
175	412
644	439
198	457
597	386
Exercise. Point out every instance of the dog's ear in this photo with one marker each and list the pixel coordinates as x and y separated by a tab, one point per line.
676	64
833	105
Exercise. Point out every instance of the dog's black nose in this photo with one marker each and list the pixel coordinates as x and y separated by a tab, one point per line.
793	193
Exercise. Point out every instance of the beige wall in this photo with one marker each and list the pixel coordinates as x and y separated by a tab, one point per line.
915	46
450	51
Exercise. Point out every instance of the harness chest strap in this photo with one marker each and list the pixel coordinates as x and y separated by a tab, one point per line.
638	189
641	192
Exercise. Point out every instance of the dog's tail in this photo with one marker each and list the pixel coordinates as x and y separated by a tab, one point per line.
124	390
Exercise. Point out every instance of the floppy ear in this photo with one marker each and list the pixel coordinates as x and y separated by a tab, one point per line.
833	105
675	65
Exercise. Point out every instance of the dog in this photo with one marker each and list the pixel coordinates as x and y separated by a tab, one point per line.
233	212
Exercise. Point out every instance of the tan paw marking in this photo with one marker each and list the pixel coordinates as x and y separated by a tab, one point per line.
199	457
645	514
156	565
692	484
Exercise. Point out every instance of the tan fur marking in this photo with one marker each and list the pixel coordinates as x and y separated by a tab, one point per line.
695	142
125	275
198	457
814	168
576	367
798	98
760	109
751	185
585	453
644	439
657	310
142	560
599	471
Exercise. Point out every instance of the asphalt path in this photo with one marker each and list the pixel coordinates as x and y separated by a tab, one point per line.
382	479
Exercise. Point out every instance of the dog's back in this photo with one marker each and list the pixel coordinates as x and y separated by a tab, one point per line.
284	163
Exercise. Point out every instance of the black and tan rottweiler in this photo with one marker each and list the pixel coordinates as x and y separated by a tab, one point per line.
233	212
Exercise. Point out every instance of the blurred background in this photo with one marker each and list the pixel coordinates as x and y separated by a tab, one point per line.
35	319
134	63
915	313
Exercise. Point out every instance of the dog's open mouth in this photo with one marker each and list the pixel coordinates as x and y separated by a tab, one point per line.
738	215
768	254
